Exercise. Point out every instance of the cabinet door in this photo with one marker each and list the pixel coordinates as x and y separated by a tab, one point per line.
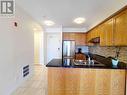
117	82
102	35
109	32
83	40
106	30
72	81
97	32
88	38
93	34
80	38
56	81
120	35
72	36
77	39
68	36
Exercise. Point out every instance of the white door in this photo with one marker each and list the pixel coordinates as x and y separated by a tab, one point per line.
54	45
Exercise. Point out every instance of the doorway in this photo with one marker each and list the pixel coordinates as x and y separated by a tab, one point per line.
38	48
54	46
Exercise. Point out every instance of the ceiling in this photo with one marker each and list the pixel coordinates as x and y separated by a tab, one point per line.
62	12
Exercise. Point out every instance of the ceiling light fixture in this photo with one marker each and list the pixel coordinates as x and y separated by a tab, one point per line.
79	20
49	23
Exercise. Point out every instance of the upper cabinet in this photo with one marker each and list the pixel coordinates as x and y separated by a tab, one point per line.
88	36
108	29
102	35
112	32
80	38
68	36
93	33
106	36
120	31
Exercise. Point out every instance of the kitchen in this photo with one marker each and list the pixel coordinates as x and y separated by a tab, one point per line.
63	47
99	71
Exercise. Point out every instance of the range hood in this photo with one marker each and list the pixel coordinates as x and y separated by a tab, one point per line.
95	40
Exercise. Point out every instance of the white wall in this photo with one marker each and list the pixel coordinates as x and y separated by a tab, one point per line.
83	30
16	50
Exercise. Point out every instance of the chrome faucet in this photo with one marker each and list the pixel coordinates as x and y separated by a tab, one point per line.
89	59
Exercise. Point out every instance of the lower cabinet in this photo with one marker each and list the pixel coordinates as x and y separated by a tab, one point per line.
80	81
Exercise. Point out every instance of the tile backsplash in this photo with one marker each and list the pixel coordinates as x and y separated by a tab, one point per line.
109	51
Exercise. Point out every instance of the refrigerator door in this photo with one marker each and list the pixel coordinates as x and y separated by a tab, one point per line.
68	49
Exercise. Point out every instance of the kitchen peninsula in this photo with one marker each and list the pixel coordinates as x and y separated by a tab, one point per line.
66	77
85	80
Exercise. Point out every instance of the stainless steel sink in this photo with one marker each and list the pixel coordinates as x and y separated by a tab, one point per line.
86	63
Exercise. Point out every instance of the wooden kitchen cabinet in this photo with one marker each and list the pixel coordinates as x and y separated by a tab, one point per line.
69	36
120	32
107	32
95	32
81	81
88	38
113	31
91	35
80	38
66	36
102	35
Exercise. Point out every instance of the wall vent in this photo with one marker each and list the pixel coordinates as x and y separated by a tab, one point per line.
25	71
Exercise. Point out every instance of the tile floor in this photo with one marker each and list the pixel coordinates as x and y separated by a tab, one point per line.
36	85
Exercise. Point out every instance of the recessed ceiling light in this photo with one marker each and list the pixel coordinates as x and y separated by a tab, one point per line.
79	20
49	23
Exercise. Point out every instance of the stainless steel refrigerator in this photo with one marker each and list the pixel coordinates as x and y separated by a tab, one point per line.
68	49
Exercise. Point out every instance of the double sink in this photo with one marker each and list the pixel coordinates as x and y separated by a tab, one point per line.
87	63
68	62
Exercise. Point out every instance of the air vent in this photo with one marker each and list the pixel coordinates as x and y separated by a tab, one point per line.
25	71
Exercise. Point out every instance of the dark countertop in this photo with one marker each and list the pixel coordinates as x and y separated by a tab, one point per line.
107	65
